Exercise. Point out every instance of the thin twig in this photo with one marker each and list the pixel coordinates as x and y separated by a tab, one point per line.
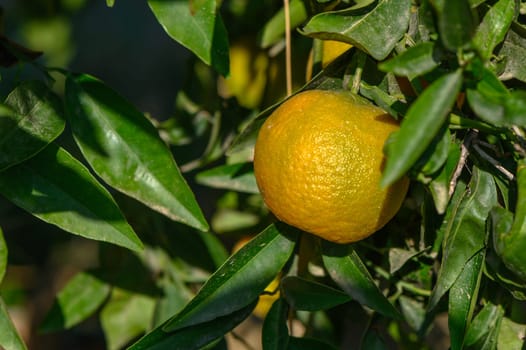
464	153
494	162
288	55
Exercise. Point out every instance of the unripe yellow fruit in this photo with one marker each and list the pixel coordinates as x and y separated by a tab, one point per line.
318	163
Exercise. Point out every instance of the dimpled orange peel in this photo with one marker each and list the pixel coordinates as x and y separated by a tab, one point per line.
318	162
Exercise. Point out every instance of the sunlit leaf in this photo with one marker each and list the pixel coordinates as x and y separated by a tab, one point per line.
240	279
307	295
124	317
237	177
494	27
10	339
465	233
511	335
79	299
274	29
125	150
348	271
376	32
197	25
484	330
30	118
57	188
512	52
420	125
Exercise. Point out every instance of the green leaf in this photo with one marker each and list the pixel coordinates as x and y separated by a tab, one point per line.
420	125
463	297
274	29
511	335
240	279
305	343
513	51
3	256
510	242
307	295
193	337
376	32
29	120
197	25
58	189
275	333
456	22
439	186
415	61
237	177
125	150
9	337
79	299
464	231
125	316
348	271
494	27
398	257
413	311
483	332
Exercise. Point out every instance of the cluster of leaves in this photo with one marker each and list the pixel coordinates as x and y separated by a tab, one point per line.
451	71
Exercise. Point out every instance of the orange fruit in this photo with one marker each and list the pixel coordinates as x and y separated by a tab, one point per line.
318	162
331	50
248	74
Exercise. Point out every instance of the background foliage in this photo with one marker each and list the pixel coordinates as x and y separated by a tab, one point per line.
131	215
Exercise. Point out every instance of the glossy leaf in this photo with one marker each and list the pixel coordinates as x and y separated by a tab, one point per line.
193	337
240	279
463	297
274	29
348	271
510	242
415	61
375	32
275	333
307	295
3	256
456	22
237	177
420	125
196	25
464	232
484	330
124	317
494	27
30	118
58	189
79	299
306	343
125	150
10	339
